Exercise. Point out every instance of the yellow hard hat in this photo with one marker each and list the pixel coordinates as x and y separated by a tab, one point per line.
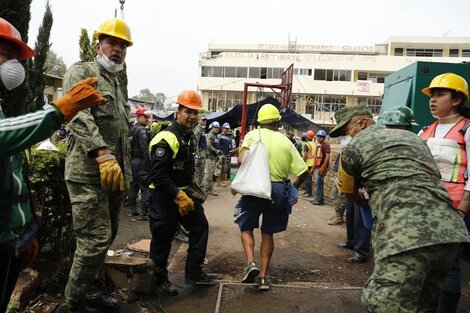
448	81
115	27
268	114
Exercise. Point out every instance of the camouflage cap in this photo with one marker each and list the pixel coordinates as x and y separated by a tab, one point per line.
344	115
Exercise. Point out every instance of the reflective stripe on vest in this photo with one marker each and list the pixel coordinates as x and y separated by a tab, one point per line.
311	154
453	175
172	141
318	155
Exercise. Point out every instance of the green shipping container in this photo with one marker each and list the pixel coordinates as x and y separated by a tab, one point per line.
404	87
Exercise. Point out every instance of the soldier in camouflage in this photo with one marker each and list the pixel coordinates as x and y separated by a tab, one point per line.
416	231
213	154
201	151
97	166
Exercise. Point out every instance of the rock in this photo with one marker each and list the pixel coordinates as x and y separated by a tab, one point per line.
25	289
132	273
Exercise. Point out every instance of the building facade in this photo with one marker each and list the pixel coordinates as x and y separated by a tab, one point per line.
326	77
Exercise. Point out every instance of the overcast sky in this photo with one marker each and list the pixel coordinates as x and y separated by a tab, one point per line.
168	35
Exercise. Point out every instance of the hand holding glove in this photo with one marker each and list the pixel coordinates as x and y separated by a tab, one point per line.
80	97
110	173
185	203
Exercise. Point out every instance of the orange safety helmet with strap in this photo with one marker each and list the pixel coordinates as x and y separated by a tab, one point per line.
190	99
455	182
11	34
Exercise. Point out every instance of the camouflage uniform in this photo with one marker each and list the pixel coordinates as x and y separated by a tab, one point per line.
416	231
95	211
201	153
212	159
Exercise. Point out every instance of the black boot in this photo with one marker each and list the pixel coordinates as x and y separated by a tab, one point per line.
166	287
448	301
98	300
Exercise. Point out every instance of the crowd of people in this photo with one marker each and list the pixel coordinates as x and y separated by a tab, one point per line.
413	188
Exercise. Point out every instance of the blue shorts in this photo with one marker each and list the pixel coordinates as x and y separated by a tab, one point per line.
248	210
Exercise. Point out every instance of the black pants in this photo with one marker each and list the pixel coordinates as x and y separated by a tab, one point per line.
357	234
9	271
164	219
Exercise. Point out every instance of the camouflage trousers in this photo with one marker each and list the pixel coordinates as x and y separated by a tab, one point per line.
199	171
339	198
95	214
409	281
212	171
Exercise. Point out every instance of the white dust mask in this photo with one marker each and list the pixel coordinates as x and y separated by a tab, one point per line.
109	65
12	73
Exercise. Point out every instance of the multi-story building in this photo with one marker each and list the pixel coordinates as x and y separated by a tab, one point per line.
326	77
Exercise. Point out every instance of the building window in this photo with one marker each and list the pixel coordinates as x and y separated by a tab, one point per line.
398	52
229	71
454	53
333	75
242	72
255	72
274	72
373	103
303	71
465	53
424	52
218	71
206	71
377	77
362	76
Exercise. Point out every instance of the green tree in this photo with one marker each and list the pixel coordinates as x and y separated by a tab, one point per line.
17	12
161	99
37	81
87	47
158	98
55	65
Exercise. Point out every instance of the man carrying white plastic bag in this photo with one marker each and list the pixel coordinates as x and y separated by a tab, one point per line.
275	205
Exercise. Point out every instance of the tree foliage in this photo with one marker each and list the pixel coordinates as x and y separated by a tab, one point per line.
55	65
17	12
87	47
158	98
37	81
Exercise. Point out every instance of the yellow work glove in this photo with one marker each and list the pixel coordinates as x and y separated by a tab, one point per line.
80	97
185	203
110	173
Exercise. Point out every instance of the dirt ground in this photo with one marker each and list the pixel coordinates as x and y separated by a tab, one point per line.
305	255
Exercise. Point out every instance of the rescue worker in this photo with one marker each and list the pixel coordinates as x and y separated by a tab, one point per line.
341	202
283	159
200	151
18	226
416	231
448	139
213	153
140	164
172	169
225	144
97	165
400	117
309	158
320	166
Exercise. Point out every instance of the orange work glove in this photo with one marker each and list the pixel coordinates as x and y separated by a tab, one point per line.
185	203
80	97
110	173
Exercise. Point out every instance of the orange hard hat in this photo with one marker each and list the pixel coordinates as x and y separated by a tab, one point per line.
141	111
10	33
310	134
190	99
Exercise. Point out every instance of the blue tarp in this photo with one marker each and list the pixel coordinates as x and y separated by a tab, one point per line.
234	116
289	116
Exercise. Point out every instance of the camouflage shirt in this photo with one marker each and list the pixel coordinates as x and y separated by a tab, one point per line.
410	205
104	126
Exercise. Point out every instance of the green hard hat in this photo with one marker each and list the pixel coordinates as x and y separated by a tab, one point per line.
399	116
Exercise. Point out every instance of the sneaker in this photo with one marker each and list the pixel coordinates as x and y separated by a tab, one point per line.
167	288
213	193
179	236
132	213
315	202
250	274
263	284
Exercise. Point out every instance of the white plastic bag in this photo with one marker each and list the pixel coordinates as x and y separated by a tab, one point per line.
253	176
